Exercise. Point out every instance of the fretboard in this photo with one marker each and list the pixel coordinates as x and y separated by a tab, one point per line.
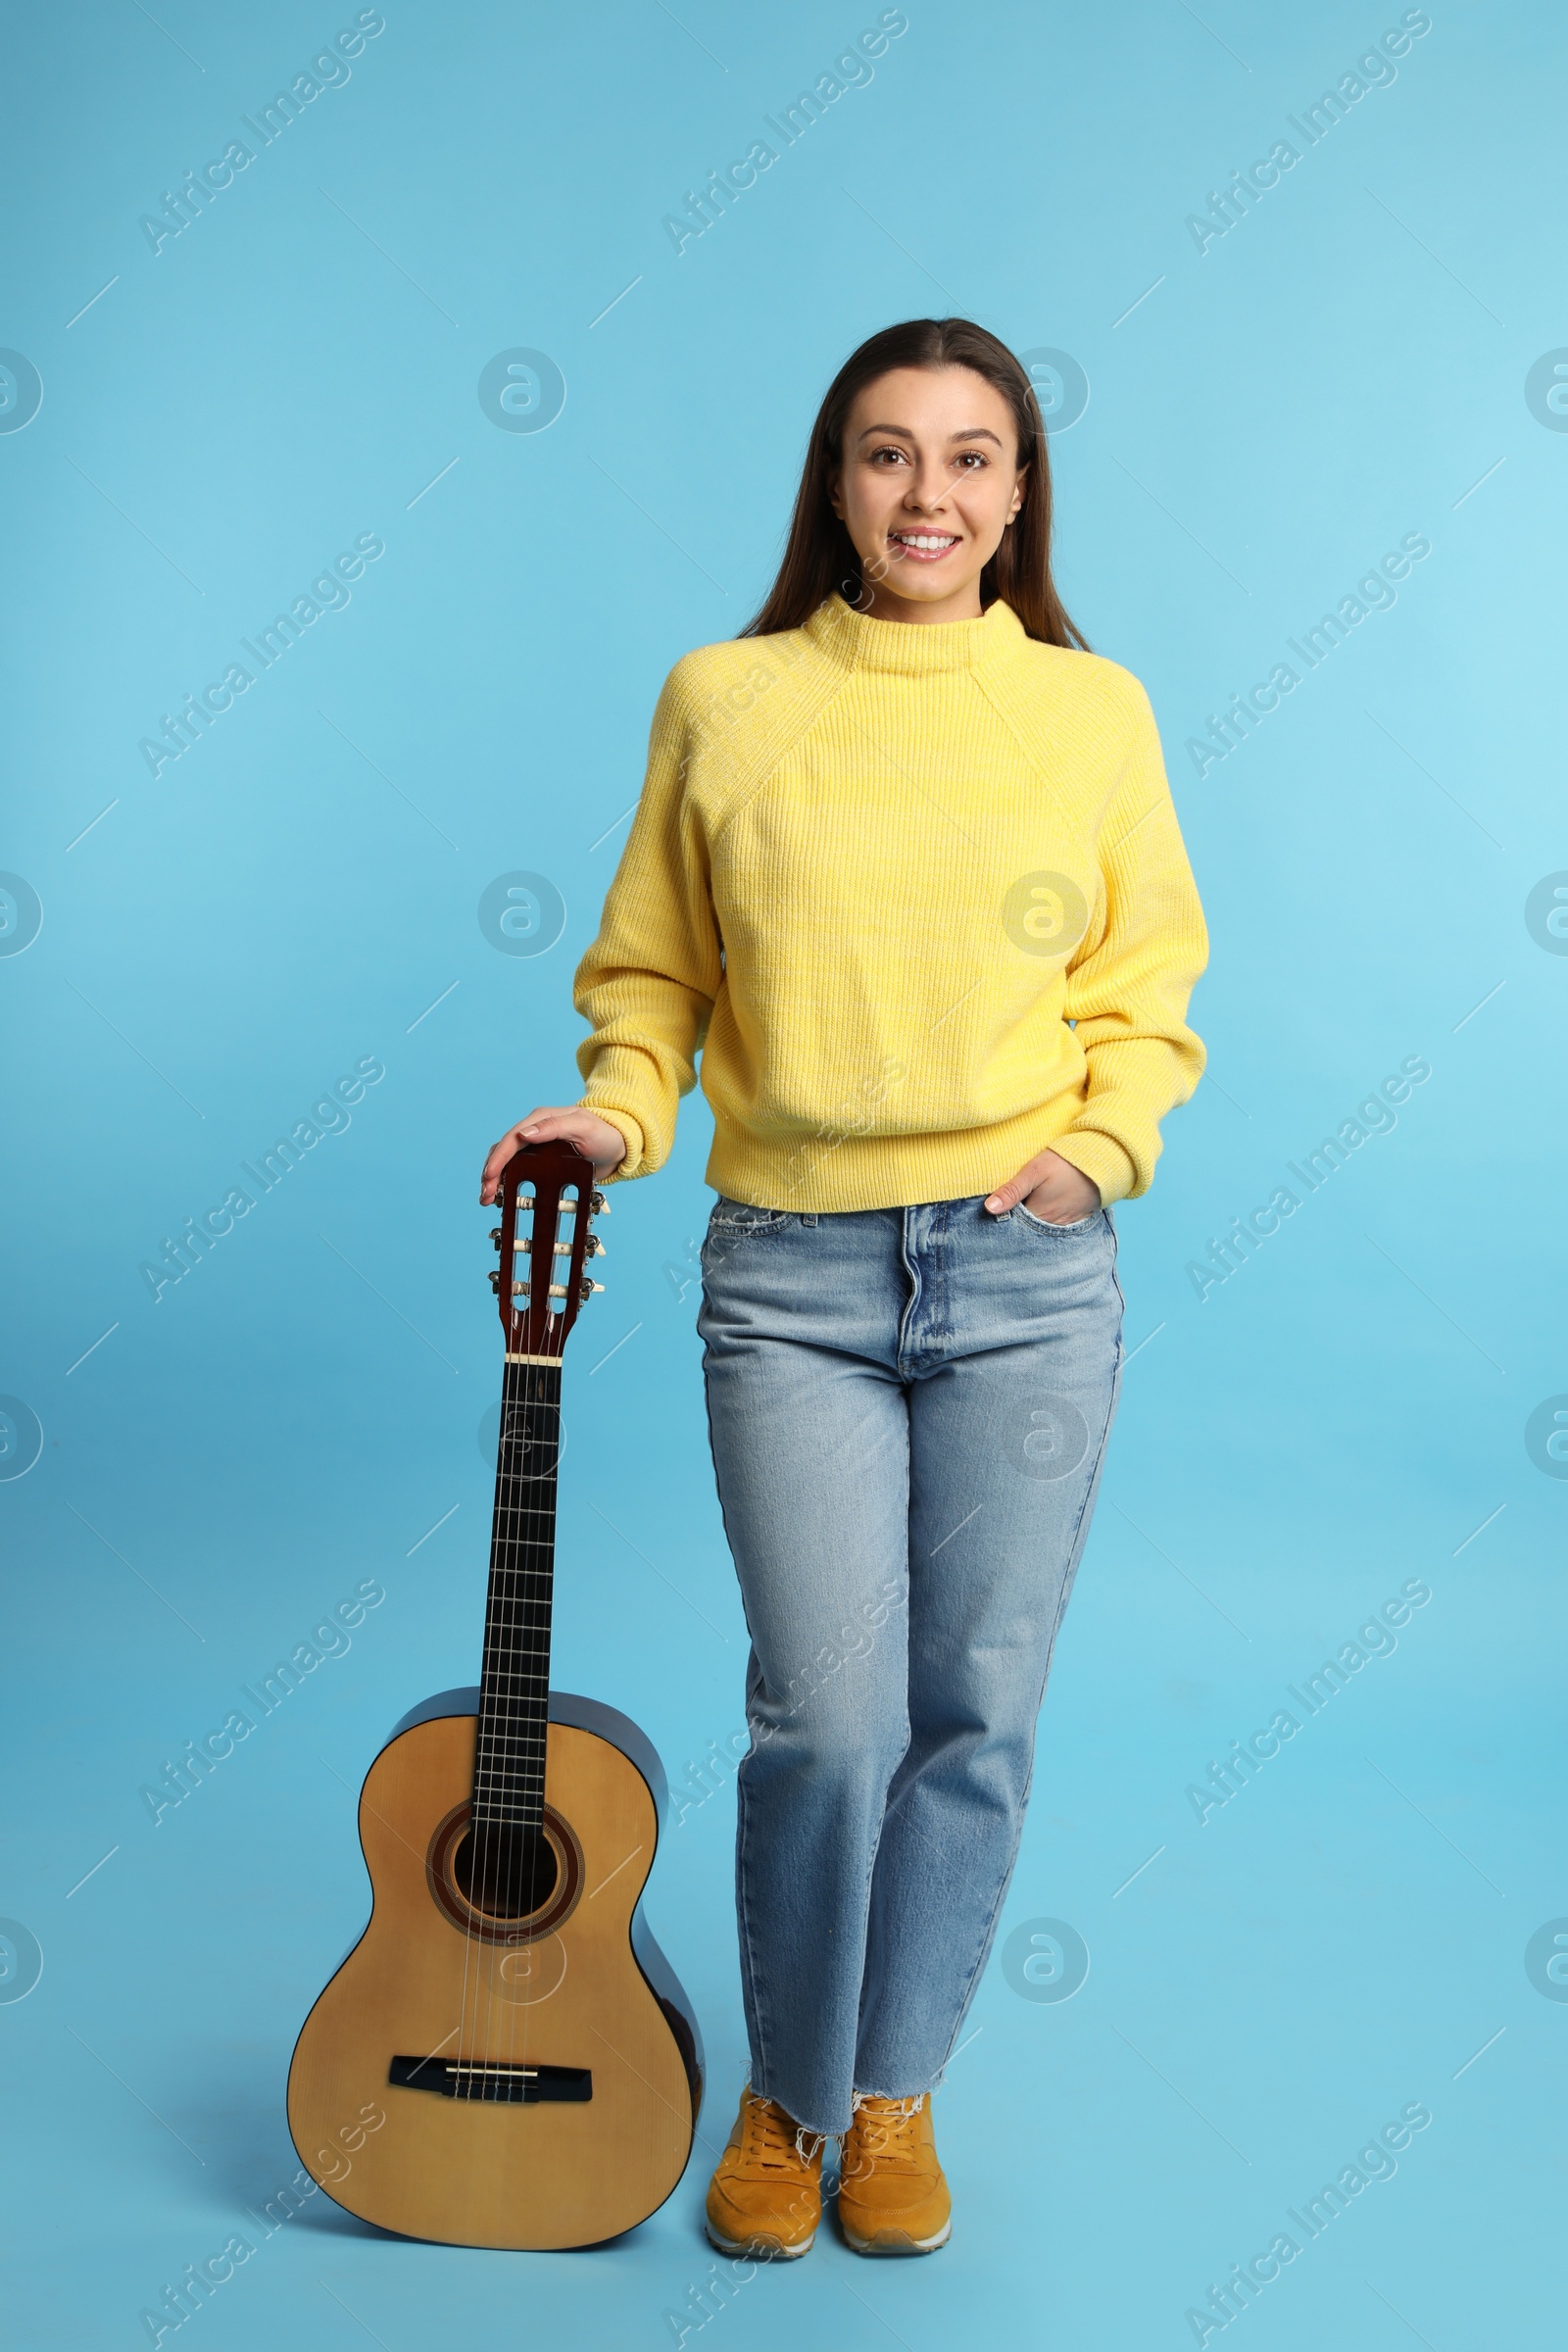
508	1778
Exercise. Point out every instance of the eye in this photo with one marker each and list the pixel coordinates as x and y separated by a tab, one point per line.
979	456
888	450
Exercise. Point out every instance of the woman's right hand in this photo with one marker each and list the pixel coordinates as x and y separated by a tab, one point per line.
603	1145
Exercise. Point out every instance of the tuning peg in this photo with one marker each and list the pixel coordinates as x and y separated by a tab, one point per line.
594	1247
597	1206
587	1288
495	1280
495	1234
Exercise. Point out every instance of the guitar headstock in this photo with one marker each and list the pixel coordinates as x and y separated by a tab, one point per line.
548	1205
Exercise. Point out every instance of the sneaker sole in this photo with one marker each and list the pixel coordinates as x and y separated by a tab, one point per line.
897	2242
758	2248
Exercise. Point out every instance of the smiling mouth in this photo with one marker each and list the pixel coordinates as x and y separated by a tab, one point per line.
925	547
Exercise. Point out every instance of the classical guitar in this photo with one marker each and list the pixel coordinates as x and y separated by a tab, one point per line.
506	2013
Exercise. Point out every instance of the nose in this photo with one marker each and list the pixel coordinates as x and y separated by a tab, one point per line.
925	493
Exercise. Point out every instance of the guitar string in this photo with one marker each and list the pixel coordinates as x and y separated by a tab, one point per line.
497	1851
516	1437
480	1856
535	1577
542	1388
539	1601
515	1847
480	1834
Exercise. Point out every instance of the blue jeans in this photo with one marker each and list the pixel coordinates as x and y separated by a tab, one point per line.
909	1410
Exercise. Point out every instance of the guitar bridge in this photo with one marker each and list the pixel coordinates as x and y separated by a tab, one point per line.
514	2085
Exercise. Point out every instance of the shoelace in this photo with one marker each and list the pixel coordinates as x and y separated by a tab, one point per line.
889	2135
773	2141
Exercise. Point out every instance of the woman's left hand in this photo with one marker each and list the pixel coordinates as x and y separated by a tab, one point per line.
1051	1188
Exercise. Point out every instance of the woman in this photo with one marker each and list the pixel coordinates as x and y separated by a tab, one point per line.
905	867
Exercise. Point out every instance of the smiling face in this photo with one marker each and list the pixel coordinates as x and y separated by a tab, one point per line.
928	485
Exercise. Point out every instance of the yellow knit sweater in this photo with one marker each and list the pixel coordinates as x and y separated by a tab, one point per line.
878	871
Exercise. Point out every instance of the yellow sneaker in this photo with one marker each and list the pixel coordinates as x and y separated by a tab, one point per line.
765	2197
892	2193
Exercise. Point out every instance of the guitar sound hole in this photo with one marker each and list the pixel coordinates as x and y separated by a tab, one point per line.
507	1873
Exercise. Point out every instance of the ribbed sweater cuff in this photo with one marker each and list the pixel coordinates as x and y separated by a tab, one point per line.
628	1127
1102	1160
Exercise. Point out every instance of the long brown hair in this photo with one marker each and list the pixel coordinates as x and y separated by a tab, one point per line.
820	556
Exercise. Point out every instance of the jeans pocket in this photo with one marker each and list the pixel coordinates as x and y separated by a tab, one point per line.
735	1219
1045	1225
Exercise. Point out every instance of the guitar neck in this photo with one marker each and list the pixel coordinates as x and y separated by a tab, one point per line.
508	1778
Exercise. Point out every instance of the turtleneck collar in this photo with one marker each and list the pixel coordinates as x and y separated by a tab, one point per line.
913	648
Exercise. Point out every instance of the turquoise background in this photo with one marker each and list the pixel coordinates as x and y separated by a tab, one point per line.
300	890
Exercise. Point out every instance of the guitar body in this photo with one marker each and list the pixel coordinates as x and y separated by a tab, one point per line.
538	2078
